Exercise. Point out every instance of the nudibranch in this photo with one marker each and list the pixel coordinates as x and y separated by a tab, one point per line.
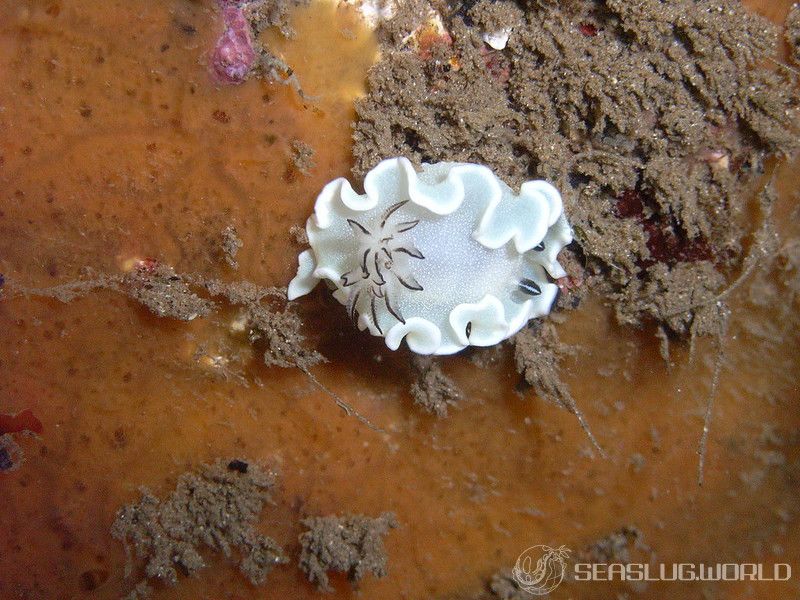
446	257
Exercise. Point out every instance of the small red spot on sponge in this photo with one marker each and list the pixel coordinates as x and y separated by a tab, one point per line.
23	421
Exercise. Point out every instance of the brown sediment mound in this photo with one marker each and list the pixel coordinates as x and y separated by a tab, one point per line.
231	244
502	586
272	68
165	293
216	507
153	285
263	14
268	322
277	331
408	17
616	547
433	390
351	544
495	16
302	156
793	31
652	118
140	591
67	292
538	353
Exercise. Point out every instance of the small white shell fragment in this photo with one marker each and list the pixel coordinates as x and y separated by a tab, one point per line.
374	12
497	39
444	258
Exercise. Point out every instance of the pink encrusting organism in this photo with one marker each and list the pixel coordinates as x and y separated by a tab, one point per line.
233	56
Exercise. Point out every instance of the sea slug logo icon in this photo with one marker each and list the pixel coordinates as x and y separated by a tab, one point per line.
540	569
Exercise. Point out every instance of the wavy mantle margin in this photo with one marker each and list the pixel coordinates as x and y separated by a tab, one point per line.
535	217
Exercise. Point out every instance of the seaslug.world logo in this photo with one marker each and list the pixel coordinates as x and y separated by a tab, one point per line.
682	572
540	569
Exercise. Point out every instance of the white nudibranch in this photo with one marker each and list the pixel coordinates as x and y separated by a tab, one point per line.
446	257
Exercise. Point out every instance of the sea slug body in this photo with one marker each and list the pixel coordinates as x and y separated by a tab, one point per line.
444	258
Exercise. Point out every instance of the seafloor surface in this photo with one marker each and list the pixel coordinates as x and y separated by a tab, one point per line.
115	146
